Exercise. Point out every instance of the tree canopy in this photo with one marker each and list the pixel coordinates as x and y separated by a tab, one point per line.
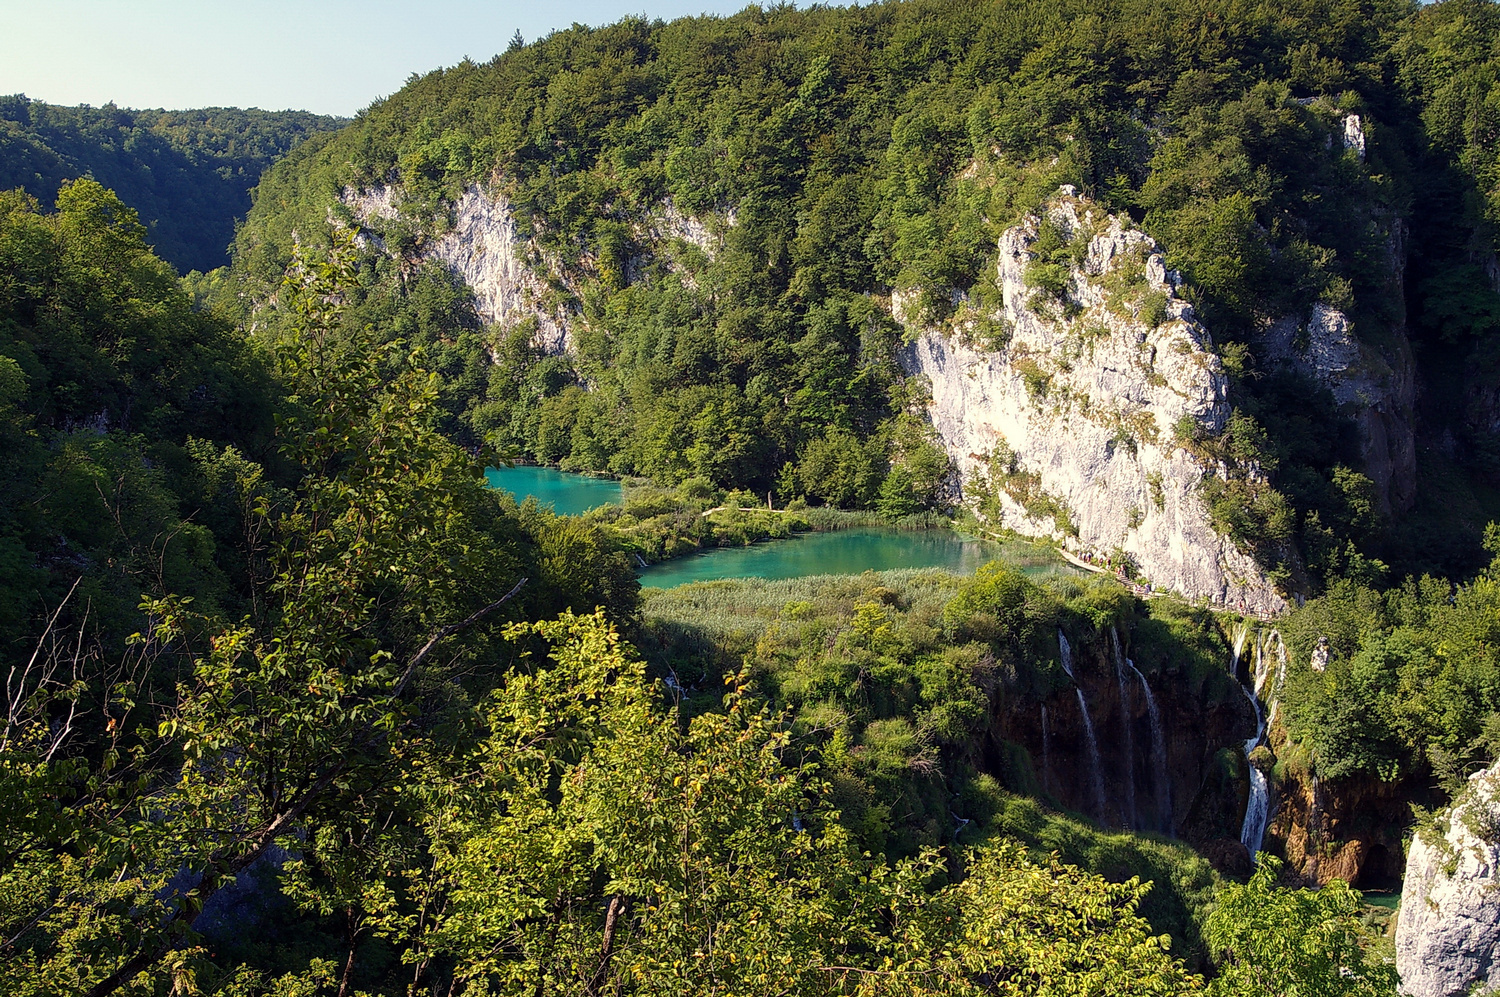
187	174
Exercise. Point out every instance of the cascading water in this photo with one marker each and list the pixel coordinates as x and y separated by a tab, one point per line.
1096	776
1161	782
1239	646
1258	807
1065	652
1132	817
1280	676
1259	677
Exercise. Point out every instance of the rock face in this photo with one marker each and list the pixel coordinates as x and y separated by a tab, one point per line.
484	248
1448	931
1070	415
1164	783
1347	829
1376	387
512	280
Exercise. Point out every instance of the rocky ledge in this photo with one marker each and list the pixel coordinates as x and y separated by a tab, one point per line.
1067	407
1448	931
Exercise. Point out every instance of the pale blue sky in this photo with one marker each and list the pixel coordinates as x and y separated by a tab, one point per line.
329	56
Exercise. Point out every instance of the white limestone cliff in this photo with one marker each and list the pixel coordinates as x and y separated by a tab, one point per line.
484	248
512	280
1084	401
1448	930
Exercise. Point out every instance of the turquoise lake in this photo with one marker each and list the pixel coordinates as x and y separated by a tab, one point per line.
567	494
847	552
842	552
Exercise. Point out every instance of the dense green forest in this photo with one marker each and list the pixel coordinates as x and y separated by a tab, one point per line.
296	705
860	151
188	174
299	706
1411	682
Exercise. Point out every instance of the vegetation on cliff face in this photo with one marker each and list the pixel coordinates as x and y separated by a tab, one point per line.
837	155
296	705
187	174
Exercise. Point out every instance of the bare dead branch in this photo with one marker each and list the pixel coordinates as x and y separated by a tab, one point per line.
450	629
25	693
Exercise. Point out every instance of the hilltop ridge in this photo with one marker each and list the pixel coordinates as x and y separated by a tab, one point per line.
187	173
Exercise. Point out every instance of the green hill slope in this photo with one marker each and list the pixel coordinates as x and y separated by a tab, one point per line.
187	173
837	156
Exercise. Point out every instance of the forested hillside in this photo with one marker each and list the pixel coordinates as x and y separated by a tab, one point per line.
188	174
297	705
832	157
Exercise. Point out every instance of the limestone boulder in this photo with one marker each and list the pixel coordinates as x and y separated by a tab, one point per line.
1448	930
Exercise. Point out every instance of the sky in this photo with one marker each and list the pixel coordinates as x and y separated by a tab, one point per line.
327	56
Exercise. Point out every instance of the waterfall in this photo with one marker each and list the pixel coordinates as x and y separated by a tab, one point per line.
1258	671
1161	782
641	561
1096	777
1239	646
1258	809
1280	678
1065	652
1132	819
1046	752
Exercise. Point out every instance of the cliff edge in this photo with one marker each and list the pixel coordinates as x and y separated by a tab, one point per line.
1067	408
1448	930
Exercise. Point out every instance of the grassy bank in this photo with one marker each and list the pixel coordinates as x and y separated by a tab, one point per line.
656	524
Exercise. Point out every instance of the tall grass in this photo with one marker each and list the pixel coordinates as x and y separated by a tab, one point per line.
738	610
827	519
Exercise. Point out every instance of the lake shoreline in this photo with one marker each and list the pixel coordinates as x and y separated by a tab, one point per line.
696	533
850	552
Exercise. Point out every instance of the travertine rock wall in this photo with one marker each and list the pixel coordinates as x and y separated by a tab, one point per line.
1087	396
1448	930
485	249
512	280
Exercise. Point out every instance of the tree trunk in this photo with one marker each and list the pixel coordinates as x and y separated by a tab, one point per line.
611	915
349	962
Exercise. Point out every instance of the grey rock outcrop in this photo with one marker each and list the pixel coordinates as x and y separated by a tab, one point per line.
1448	930
484	248
512	279
1080	403
1376	387
1354	135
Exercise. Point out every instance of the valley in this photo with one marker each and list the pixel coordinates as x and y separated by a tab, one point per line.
970	497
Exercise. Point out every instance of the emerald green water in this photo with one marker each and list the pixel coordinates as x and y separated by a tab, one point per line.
567	494
841	552
845	552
